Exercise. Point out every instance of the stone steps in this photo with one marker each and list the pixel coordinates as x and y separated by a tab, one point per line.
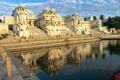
35	30
96	33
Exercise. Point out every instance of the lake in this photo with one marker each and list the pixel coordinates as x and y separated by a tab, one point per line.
85	61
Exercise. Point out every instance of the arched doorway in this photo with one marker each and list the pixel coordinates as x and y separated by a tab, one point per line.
10	27
0	21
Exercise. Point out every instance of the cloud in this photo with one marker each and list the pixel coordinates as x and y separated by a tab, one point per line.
5	3
34	4
113	0
101	1
118	12
66	7
71	1
81	2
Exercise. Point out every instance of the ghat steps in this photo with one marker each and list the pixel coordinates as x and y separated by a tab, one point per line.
36	31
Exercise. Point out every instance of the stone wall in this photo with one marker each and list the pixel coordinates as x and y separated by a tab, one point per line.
9	20
3	28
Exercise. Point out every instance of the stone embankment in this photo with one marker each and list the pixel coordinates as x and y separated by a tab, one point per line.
47	43
12	69
55	42
110	37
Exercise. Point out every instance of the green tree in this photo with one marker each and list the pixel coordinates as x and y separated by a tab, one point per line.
102	17
94	17
116	22
85	18
109	22
113	22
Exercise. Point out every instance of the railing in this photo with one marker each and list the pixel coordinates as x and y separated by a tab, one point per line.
7	61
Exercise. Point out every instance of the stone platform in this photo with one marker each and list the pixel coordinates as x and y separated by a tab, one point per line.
19	71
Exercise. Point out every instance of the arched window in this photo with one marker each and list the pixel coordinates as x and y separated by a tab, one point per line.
72	22
78	21
0	21
30	23
29	15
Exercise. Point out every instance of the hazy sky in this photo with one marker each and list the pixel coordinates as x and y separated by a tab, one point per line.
66	7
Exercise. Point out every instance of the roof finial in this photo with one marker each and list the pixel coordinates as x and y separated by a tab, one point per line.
21	5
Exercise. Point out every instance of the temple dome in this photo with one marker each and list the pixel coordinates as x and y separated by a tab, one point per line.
54	10
47	9
75	13
21	5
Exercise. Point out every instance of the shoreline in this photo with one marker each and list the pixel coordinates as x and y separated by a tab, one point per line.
54	42
46	43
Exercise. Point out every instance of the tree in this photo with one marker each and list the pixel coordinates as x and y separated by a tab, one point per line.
85	18
113	22
116	22
102	17
109	22
94	17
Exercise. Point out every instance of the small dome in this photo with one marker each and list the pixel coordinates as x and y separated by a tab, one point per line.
21	5
54	10
47	9
75	13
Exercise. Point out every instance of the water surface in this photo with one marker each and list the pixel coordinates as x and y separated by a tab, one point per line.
86	61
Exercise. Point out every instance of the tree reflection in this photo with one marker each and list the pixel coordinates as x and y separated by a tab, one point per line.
114	47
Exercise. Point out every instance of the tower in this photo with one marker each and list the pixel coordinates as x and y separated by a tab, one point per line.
100	24
20	16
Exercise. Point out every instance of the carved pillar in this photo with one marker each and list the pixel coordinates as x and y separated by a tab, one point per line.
8	67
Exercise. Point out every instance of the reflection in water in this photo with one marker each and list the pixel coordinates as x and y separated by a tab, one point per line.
79	53
53	60
114	47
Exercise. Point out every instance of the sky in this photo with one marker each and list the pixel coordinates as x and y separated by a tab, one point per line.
84	8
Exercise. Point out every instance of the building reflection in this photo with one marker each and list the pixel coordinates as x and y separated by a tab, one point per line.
54	59
79	53
29	57
51	60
